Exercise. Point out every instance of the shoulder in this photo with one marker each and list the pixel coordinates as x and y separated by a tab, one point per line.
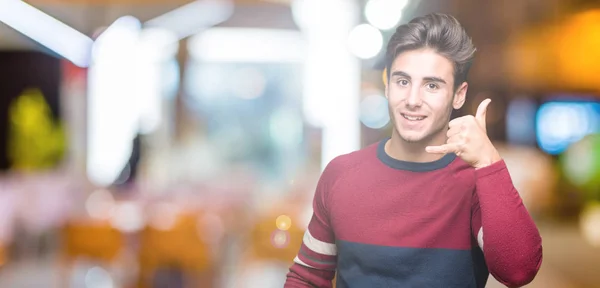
350	161
347	164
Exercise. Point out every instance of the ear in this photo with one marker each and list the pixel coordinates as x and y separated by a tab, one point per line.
385	81
460	95
386	92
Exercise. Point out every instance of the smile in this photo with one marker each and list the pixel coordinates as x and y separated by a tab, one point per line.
413	118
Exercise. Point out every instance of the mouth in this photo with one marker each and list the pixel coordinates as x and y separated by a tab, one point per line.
413	117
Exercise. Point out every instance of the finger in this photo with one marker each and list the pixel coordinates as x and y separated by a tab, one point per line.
453	131
456	139
482	112
456	122
443	149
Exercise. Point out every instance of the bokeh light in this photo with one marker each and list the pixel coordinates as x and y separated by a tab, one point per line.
128	217
374	111
561	123
365	41
100	204
98	278
581	163
163	216
280	239
283	222
590	224
384	14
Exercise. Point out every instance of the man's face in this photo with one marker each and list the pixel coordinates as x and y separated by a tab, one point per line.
421	94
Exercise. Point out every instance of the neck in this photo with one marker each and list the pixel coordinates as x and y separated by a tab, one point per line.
400	149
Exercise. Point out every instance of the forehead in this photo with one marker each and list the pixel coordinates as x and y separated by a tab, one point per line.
423	63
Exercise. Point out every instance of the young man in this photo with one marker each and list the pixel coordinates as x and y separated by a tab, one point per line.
434	204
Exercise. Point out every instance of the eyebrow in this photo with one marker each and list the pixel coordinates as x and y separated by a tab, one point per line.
429	78
434	79
401	74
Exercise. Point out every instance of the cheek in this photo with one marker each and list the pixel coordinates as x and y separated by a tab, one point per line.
395	97
443	110
439	102
392	102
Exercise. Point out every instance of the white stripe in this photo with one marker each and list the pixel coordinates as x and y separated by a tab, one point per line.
297	260
319	246
480	238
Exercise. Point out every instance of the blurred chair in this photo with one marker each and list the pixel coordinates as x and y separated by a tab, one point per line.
97	241
276	236
178	247
3	254
268	243
269	248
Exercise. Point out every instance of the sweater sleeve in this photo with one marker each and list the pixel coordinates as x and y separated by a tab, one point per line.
316	262
504	230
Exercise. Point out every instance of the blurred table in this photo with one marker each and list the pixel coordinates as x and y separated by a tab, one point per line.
569	262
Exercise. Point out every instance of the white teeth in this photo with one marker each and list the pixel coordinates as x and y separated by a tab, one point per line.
412	118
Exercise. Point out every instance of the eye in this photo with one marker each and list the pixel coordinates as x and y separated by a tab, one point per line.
432	86
402	82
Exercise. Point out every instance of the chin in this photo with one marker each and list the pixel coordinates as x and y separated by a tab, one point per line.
412	134
412	137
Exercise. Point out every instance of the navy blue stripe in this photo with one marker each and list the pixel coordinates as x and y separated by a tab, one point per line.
317	260
363	265
412	166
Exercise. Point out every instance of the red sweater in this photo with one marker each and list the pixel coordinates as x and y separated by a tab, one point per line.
381	222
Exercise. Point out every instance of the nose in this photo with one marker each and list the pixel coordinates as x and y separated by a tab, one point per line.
414	98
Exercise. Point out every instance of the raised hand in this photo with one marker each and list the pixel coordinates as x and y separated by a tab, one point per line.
467	138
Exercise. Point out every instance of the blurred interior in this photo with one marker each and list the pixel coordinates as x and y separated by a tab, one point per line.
155	143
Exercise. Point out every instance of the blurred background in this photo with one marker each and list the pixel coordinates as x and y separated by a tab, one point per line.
155	143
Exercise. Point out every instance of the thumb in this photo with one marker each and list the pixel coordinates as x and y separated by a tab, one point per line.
482	112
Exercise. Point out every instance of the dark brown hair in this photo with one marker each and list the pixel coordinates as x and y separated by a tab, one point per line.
440	32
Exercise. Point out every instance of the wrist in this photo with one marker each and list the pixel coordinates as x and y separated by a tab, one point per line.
489	160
